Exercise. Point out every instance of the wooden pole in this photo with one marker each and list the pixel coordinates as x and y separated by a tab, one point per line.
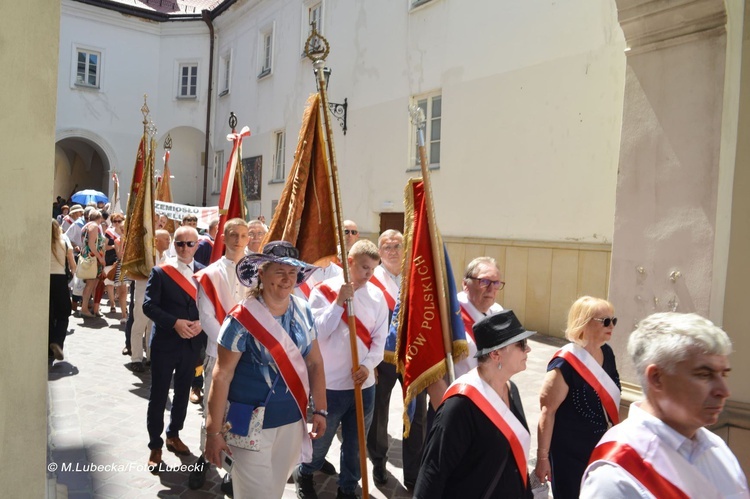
438	255
331	162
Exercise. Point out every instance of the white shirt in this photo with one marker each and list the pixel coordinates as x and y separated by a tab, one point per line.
465	365
333	333
707	454
224	273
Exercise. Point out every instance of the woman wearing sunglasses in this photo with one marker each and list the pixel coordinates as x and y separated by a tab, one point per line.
479	443
580	397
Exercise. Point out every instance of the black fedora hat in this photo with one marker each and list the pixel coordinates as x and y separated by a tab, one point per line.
498	330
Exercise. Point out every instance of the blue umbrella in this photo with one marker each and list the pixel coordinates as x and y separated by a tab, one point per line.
87	196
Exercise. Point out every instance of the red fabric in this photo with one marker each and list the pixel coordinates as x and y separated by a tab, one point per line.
629	459
388	298
305	289
231	204
213	295
362	331
420	344
181	281
288	372
468	323
486	407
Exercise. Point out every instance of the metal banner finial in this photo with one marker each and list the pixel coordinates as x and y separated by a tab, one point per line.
417	116
232	121
168	142
145	110
151	128
316	46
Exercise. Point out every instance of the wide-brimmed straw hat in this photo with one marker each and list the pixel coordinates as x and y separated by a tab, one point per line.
76	208
497	331
282	252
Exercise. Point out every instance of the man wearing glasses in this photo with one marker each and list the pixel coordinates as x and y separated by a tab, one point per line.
257	230
170	302
387	277
482	281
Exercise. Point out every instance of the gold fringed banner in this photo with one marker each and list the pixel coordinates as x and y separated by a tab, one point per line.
420	351
138	254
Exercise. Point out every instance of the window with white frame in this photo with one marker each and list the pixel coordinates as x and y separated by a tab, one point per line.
266	52
279	157
218	177
88	65
225	72
431	105
188	81
313	14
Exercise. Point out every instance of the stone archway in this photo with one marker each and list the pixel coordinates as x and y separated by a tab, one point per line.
82	161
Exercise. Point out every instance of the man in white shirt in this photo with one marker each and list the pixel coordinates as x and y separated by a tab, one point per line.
219	291
663	449
327	302
482	280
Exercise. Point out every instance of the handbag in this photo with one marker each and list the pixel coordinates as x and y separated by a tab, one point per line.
68	272
87	268
246	423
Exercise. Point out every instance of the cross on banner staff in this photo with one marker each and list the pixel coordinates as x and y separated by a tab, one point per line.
317	49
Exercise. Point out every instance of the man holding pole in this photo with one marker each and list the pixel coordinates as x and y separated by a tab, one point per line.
327	301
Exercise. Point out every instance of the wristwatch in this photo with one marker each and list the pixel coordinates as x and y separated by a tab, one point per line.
321	412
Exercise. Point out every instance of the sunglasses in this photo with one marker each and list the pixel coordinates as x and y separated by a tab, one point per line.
486	283
351	231
182	244
282	251
522	344
606	321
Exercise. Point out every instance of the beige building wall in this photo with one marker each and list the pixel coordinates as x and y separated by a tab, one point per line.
542	279
28	79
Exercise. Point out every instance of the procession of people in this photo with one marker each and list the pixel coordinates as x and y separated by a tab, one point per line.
279	384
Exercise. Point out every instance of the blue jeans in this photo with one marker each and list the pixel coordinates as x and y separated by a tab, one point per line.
342	409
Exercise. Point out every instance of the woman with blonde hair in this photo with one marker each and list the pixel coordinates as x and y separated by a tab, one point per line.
580	397
59	298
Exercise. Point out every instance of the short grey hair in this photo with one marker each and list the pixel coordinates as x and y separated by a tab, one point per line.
389	234
667	338
471	269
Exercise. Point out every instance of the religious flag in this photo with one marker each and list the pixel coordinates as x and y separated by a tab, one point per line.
164	190
232	198
138	252
304	215
115	199
420	351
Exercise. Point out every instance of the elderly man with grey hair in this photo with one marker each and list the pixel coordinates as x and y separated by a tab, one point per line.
663	449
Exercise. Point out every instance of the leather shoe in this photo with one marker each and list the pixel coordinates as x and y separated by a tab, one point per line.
154	461
137	367
176	446
328	468
197	477
195	395
126	351
226	486
379	476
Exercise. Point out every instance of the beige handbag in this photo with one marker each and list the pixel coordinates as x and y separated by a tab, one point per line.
87	268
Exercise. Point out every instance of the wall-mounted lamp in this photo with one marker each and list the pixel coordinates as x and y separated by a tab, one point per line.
337	110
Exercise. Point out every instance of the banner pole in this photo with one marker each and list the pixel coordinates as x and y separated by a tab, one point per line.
438	256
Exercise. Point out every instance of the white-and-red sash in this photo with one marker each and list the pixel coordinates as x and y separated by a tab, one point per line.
489	402
112	234
305	288
263	327
362	332
188	285
468	321
205	280
388	286
590	370
658	467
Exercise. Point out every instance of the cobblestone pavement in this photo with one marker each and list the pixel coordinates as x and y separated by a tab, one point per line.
97	423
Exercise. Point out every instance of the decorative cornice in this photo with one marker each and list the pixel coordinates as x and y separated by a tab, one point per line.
653	24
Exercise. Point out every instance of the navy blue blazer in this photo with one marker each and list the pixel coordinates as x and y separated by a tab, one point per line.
164	303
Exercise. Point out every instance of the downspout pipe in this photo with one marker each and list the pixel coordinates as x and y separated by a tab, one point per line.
206	16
